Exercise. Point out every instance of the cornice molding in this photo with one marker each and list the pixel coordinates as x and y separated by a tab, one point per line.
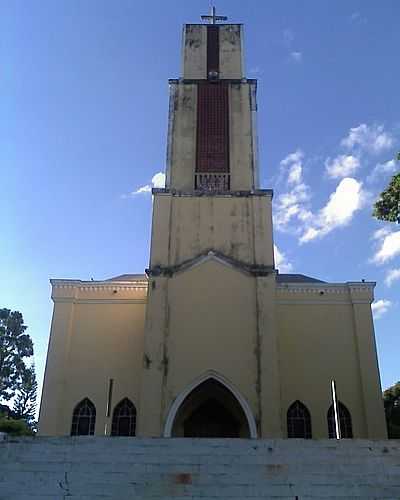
99	286
213	194
321	289
196	81
87	300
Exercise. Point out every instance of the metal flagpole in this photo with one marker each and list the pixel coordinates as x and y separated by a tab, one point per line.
335	409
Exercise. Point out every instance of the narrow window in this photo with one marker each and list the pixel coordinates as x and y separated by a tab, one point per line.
124	419
83	418
212	51
346	428
298	421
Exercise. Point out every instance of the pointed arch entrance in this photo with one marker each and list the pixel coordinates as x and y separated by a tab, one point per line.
210	407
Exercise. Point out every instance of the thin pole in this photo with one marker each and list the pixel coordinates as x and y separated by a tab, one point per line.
335	409
109	402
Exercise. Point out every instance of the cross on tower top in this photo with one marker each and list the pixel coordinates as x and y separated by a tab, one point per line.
213	18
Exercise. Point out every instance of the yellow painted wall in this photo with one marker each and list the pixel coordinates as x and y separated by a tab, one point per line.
212	326
185	226
92	341
273	344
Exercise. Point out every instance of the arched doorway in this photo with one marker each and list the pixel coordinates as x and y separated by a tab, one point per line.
210	408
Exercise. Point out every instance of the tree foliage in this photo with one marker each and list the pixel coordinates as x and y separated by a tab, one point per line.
391	400
25	402
387	207
15	346
14	427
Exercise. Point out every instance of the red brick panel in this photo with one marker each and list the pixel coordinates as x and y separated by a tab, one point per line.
212	128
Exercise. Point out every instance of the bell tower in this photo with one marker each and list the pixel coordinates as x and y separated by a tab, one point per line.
212	200
211	224
212	140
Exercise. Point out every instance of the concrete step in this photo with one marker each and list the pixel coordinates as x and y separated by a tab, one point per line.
124	468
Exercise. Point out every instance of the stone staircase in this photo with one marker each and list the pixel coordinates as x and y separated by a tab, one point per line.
89	468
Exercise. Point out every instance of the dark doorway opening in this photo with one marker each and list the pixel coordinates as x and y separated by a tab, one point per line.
211	411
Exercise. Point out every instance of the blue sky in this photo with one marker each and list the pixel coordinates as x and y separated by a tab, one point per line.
84	100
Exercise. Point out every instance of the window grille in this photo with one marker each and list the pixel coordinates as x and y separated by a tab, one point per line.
346	428
212	182
298	421
83	418
124	419
212	157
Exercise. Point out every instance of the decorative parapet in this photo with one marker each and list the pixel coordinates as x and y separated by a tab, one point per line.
350	292
105	291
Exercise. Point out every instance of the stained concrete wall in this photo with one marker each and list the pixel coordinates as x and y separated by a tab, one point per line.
182	130
194	51
120	468
231	51
240	227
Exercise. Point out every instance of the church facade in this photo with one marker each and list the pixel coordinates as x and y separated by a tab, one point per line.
212	341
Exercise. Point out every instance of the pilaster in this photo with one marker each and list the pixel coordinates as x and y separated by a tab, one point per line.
361	298
155	359
269	376
53	415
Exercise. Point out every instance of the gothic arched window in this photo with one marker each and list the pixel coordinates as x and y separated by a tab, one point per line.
124	419
346	428
298	421
83	418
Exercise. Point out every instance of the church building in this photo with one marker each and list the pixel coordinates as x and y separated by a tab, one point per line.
212	341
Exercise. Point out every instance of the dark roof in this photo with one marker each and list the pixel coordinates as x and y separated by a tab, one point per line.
128	277
296	278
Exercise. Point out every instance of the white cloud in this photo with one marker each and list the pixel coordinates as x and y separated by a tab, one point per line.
291	167
343	202
143	189
292	208
342	166
382	170
380	307
391	276
281	261
381	233
296	56
372	139
339	210
157	181
389	245
292	204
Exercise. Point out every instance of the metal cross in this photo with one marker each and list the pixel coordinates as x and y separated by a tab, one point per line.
213	18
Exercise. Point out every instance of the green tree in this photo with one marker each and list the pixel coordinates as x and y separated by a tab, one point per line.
15	346
391	400
387	207
14	427
25	401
